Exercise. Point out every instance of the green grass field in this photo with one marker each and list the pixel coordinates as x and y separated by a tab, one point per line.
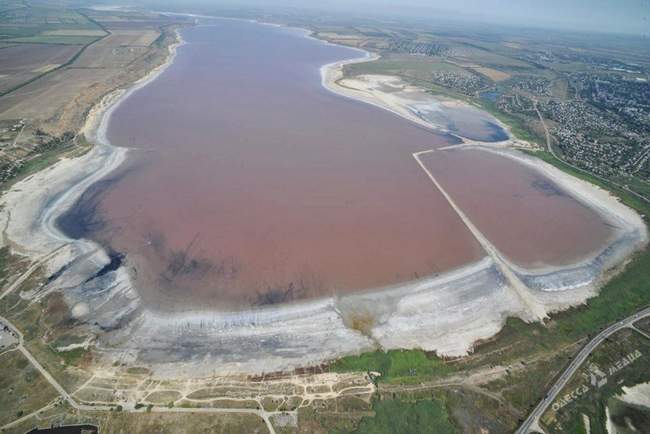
27	25
24	389
414	67
399	417
406	366
517	124
635	184
55	39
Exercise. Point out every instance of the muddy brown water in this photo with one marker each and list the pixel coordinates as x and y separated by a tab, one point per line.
251	184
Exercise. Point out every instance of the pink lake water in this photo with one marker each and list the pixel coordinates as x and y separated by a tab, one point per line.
528	217
251	184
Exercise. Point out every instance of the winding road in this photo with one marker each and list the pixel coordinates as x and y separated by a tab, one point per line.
531	424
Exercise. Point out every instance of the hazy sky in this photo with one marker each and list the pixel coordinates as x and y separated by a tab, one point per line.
629	16
624	16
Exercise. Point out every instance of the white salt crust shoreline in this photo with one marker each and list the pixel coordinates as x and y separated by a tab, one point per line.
447	313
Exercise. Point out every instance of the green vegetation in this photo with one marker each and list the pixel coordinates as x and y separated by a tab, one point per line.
44	155
24	390
5	257
626	293
541	350
73	357
48	316
10	266
138	370
166	34
550	345
39	163
643	325
635	184
398	417
517	124
630	200
119	421
416	67
44	25
405	366
594	401
31	21
68	339
624	414
55	39
523	388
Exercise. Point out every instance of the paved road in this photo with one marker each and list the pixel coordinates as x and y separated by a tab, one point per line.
532	422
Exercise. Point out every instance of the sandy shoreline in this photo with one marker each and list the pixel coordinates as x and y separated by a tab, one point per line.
104	158
366	88
403	97
446	313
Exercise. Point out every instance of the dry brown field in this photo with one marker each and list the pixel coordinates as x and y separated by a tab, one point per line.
58	101
21	62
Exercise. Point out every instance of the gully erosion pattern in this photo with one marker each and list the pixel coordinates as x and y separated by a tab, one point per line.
247	183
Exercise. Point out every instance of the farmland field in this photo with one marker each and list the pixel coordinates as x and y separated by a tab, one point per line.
21	62
42	26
